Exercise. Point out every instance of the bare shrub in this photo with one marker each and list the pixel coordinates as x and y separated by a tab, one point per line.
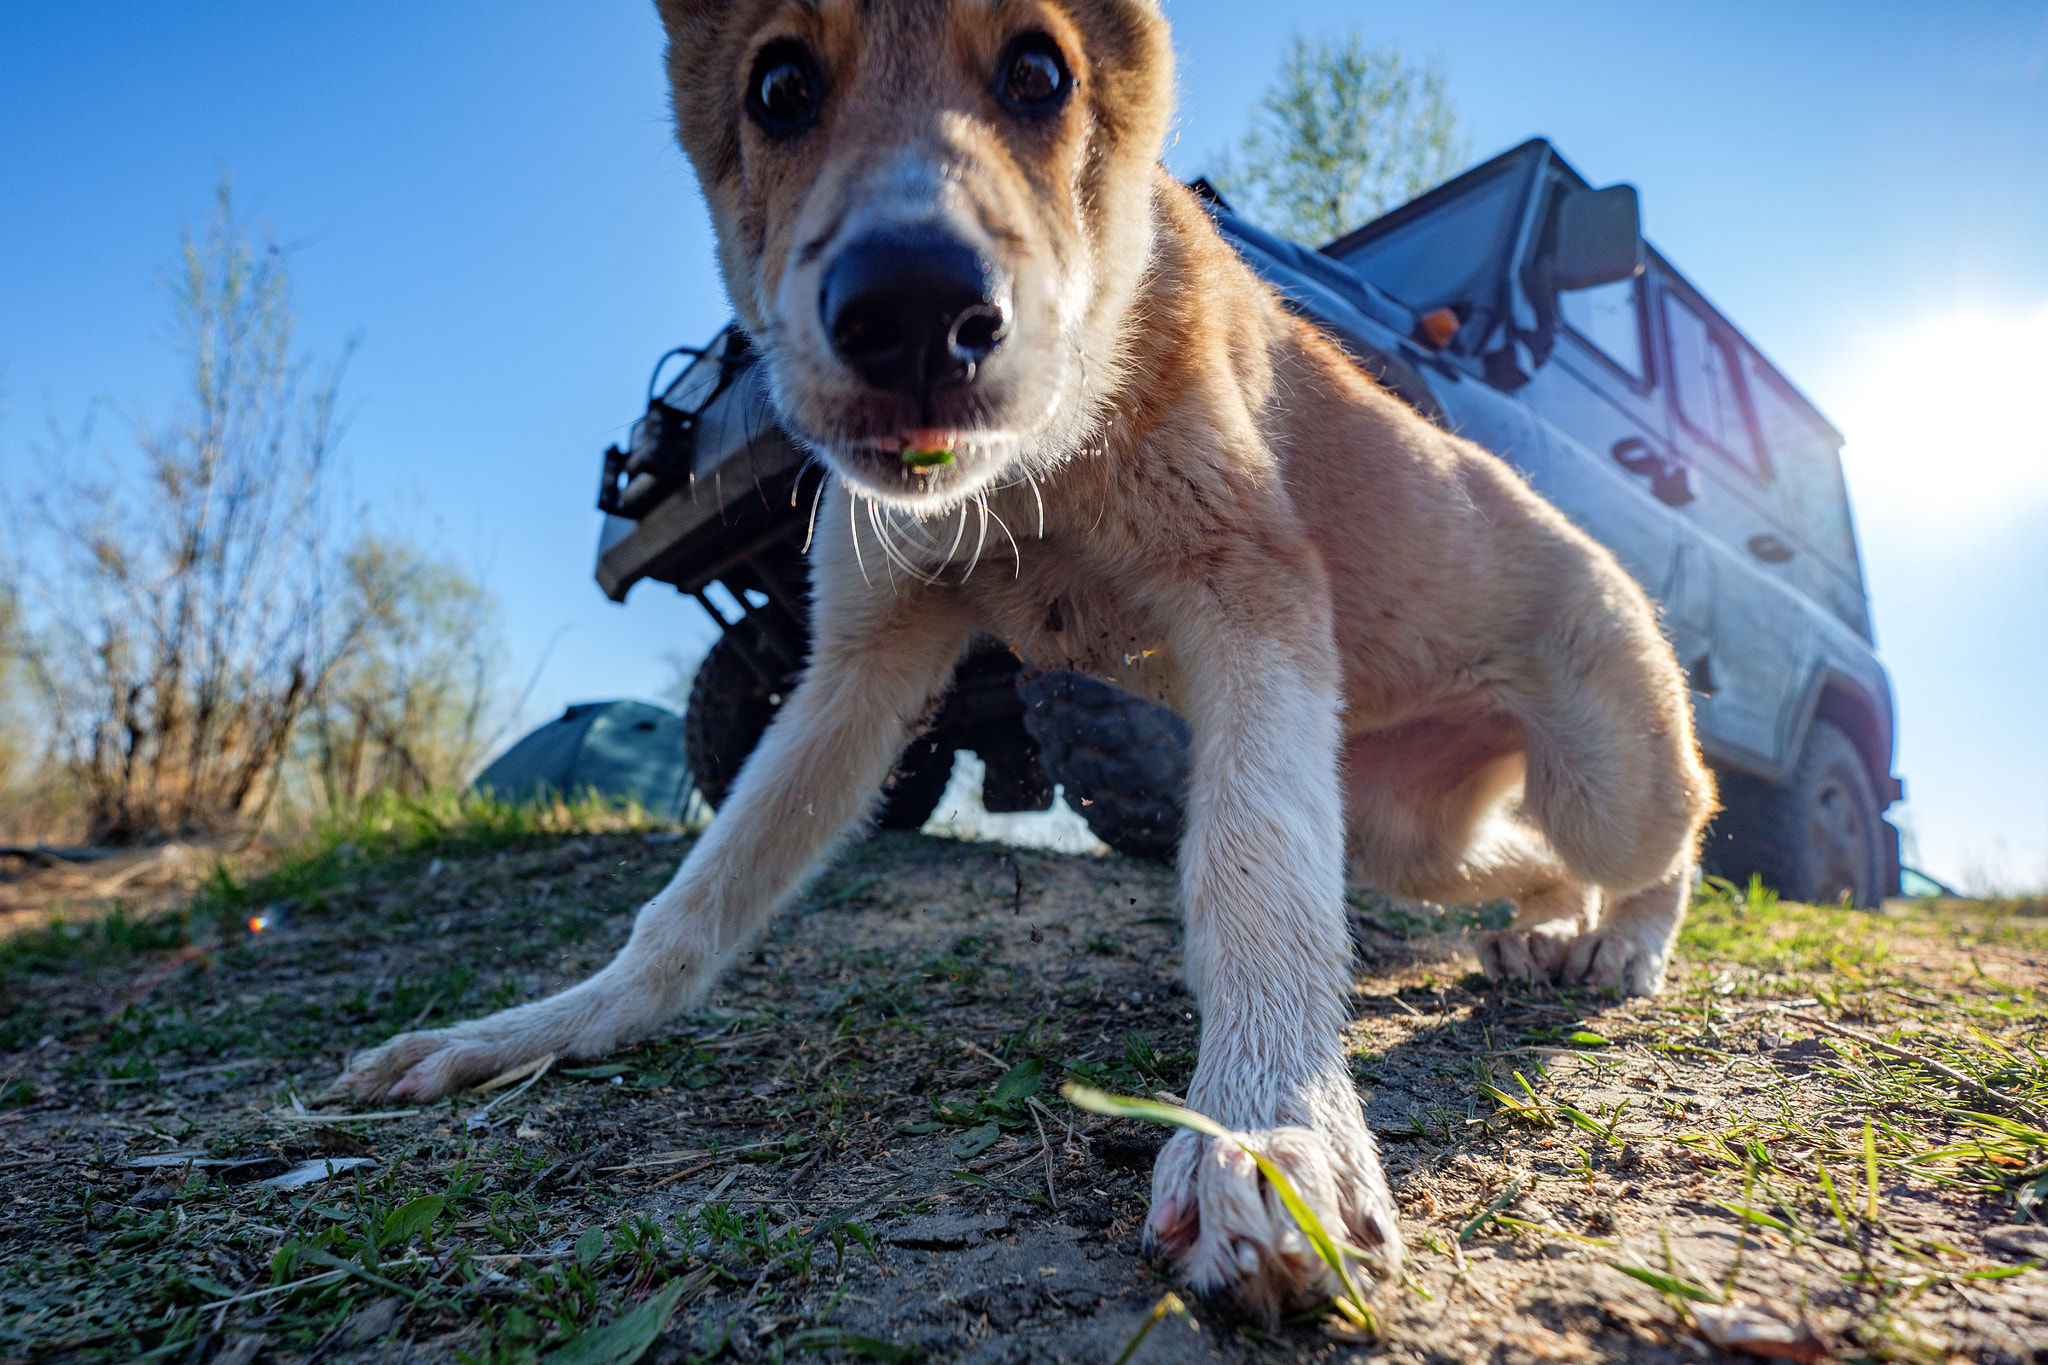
184	605
411	707
17	742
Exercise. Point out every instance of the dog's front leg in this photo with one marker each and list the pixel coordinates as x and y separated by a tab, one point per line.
878	663
1268	956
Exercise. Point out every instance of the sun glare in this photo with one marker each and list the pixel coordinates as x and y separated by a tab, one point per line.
1952	415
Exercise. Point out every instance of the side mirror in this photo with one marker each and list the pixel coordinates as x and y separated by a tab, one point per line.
1599	238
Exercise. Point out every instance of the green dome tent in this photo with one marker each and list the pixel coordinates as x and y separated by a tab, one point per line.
623	750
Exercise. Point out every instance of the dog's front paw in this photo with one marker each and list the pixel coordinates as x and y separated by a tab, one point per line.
423	1067
1218	1225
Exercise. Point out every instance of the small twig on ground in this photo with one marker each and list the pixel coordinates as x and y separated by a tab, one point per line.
1045	1144
1657	1062
1068	1141
189	1071
532	1070
1949	1073
720	1188
804	1171
280	1289
538	1069
983	1053
540	1179
690	1154
1920	999
315	1116
684	1174
50	857
425	1010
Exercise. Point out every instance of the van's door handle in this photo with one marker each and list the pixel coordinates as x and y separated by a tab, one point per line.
1634	454
1770	549
1670	481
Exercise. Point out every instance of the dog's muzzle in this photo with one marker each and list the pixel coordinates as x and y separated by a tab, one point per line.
913	310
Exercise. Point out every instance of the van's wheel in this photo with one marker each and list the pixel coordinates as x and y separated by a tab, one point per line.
1122	760
729	709
1815	839
915	785
728	712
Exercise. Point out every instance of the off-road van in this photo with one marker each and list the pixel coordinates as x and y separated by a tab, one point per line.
1515	305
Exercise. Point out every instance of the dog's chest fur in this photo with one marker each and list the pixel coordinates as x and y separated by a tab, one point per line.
1060	609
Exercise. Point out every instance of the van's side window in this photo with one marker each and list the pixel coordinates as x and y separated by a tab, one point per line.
1703	379
1609	318
1808	470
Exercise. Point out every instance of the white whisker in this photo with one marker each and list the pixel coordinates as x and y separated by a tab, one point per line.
958	535
854	526
888	550
811	527
1016	556
1035	497
889	546
979	539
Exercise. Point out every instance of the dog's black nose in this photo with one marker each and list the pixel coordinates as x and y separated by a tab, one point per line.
912	309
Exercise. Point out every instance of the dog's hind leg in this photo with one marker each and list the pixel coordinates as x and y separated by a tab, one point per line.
1631	945
1616	785
1431	808
1553	908
879	661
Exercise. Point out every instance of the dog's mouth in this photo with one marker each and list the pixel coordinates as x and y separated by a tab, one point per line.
919	466
921	450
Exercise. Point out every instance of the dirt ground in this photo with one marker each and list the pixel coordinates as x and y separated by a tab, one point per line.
151	879
858	1150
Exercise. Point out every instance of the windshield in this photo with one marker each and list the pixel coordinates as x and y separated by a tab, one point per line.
1439	257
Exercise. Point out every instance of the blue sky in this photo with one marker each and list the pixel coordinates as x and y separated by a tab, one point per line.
487	195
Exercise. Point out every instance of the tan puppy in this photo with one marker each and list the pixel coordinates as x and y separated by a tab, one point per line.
1061	410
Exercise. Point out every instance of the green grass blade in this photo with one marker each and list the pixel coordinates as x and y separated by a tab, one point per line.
1353	1304
626	1340
1610	1243
1168	1303
1491	1211
1666	1284
1827	1184
1150	1111
1762	1219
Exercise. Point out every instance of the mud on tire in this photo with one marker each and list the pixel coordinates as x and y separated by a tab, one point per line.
1123	761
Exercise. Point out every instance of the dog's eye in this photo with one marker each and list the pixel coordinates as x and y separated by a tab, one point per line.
782	95
1035	77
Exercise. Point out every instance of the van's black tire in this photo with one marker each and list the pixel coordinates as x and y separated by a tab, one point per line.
729	710
1123	761
915	785
1817	837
